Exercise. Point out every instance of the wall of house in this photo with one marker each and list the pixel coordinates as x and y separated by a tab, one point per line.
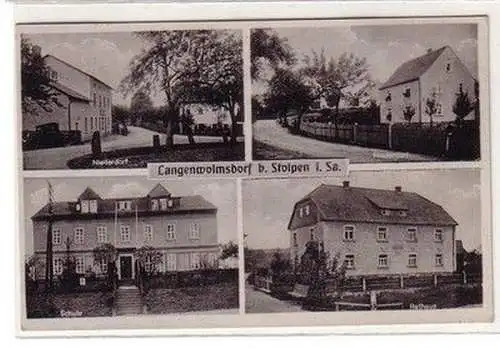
207	222
79	111
398	102
366	248
39	116
447	82
69	76
99	118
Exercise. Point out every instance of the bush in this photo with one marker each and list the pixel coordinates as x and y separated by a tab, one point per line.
193	278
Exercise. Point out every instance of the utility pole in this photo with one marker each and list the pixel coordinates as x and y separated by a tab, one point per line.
49	268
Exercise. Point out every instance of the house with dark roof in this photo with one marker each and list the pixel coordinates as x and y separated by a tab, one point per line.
438	74
182	228
375	232
84	102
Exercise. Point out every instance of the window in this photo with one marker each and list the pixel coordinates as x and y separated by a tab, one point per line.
86	124
170	231
438	260
93	206
58	266
388	98
163	204
154	205
307	210
294	239
148	264
212	259
349	233
80	265
448	67
56	236
124	233
124	205
85	206
411	234
103	266
412	260
79	236
171	262
94	101
195	260
407	93
301	212
194	231
402	213
102	235
53	75
100	101
385	212
381	234
383	261
170	203
148	232
438	234
349	261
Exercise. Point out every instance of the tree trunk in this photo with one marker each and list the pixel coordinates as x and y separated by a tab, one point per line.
233	126
337	118
170	137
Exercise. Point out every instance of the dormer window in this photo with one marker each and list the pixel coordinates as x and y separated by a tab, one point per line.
163	203
154	205
93	206
386	212
307	210
85	207
124	205
170	203
407	93
402	213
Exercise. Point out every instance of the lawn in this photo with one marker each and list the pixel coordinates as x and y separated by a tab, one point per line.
140	157
199	298
87	304
263	151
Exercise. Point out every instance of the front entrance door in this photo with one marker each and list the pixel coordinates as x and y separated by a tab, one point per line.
126	267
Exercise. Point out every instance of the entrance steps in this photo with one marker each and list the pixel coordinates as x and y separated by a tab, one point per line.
128	301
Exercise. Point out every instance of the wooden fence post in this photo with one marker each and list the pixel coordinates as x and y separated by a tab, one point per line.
373	300
390	136
364	284
401	281
435	280
465	277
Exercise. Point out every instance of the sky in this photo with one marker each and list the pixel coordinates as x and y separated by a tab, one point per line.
221	193
385	47
268	204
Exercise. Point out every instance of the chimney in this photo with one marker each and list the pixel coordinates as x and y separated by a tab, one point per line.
345	184
398	188
37	50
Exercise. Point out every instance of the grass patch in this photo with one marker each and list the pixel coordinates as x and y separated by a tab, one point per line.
200	298
88	304
263	151
140	157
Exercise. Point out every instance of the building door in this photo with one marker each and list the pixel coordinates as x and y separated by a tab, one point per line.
126	267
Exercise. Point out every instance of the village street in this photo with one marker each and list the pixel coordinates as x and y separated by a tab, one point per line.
57	158
271	133
260	302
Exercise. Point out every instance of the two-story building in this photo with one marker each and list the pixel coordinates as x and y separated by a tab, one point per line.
84	102
375	232
438	75
182	228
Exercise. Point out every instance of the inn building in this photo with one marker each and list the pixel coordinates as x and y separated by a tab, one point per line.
84	101
182	228
375	232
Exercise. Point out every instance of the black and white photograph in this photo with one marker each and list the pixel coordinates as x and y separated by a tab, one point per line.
123	99
373	93
129	246
380	240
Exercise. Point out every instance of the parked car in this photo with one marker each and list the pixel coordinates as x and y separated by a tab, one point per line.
49	136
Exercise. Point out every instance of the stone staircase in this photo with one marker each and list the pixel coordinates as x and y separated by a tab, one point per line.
128	301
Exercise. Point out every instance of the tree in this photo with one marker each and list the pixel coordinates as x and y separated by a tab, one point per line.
473	262
279	265
229	250
148	258
408	112
106	254
220	81
141	107
330	78
462	106
36	90
69	276
169	62
432	105
268	48
287	91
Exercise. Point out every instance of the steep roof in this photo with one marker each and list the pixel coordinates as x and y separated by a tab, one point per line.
337	203
106	208
76	68
89	194
158	191
69	92
413	69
